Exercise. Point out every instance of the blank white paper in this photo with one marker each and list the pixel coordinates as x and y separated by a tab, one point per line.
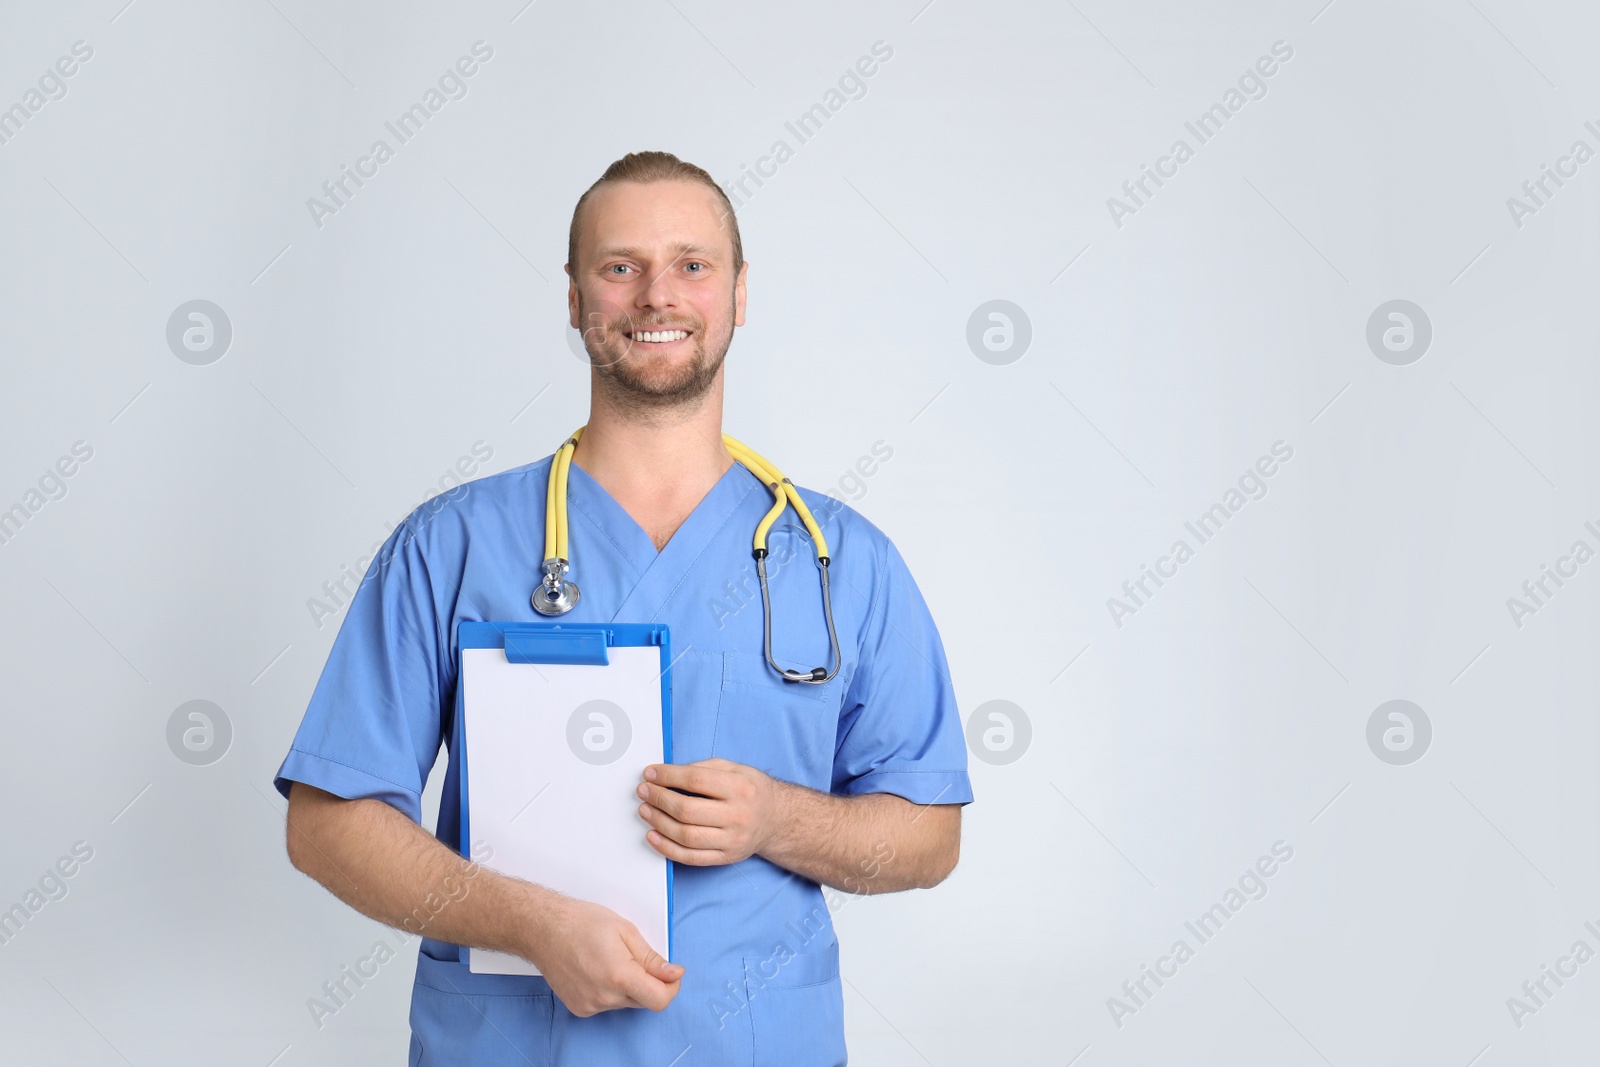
551	776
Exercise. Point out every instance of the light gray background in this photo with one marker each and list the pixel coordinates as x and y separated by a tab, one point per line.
1167	754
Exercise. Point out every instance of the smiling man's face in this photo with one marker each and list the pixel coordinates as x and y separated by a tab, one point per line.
654	291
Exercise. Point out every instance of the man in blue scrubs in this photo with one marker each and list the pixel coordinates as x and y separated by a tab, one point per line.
777	788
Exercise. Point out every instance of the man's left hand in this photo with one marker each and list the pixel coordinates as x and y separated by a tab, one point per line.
733	817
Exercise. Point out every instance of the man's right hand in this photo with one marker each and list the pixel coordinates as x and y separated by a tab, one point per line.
595	960
380	862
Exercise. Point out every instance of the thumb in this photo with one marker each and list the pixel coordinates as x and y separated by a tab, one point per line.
655	964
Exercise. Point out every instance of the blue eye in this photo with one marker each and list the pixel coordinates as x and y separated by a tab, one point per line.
694	265
619	266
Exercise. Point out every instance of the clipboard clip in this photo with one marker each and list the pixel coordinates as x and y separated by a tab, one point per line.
557	646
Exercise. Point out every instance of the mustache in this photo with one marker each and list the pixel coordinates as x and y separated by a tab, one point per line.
628	323
594	320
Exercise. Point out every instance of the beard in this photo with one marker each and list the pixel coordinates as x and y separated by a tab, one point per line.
634	376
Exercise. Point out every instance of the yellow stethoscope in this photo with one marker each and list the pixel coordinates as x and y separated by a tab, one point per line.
557	595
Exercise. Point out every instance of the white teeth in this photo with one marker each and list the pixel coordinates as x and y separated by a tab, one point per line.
660	335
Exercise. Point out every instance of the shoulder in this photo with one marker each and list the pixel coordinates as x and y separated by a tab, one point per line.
857	547
840	521
440	524
866	562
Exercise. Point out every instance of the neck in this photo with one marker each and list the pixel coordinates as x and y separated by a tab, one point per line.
654	453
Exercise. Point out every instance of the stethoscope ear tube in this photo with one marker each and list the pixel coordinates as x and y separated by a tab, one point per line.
817	675
555	595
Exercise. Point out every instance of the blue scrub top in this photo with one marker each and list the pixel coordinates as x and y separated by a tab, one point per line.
757	942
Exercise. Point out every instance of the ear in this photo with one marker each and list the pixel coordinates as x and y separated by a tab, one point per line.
738	294
572	297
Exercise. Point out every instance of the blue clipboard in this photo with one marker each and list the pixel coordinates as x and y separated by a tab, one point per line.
568	650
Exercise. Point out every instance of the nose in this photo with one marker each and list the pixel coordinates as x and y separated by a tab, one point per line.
659	290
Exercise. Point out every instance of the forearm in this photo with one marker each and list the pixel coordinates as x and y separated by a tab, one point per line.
379	862
876	843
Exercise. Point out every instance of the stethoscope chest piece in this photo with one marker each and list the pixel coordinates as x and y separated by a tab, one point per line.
555	595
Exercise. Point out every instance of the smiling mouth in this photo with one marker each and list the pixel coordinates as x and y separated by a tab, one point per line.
658	337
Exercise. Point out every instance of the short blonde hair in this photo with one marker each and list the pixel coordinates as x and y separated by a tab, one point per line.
646	167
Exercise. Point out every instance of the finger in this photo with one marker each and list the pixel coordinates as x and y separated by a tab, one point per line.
694	857
669	990
685	834
641	986
684	808
658	966
707	781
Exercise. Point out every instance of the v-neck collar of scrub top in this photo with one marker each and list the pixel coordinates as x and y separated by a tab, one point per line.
658	573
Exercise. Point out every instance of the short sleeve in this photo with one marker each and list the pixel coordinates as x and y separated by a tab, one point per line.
375	721
899	727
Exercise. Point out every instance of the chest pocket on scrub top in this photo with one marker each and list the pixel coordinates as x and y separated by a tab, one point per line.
787	729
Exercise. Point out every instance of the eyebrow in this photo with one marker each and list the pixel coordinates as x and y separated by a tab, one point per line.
682	249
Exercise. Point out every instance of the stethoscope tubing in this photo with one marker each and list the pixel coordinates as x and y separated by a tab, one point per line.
556	594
